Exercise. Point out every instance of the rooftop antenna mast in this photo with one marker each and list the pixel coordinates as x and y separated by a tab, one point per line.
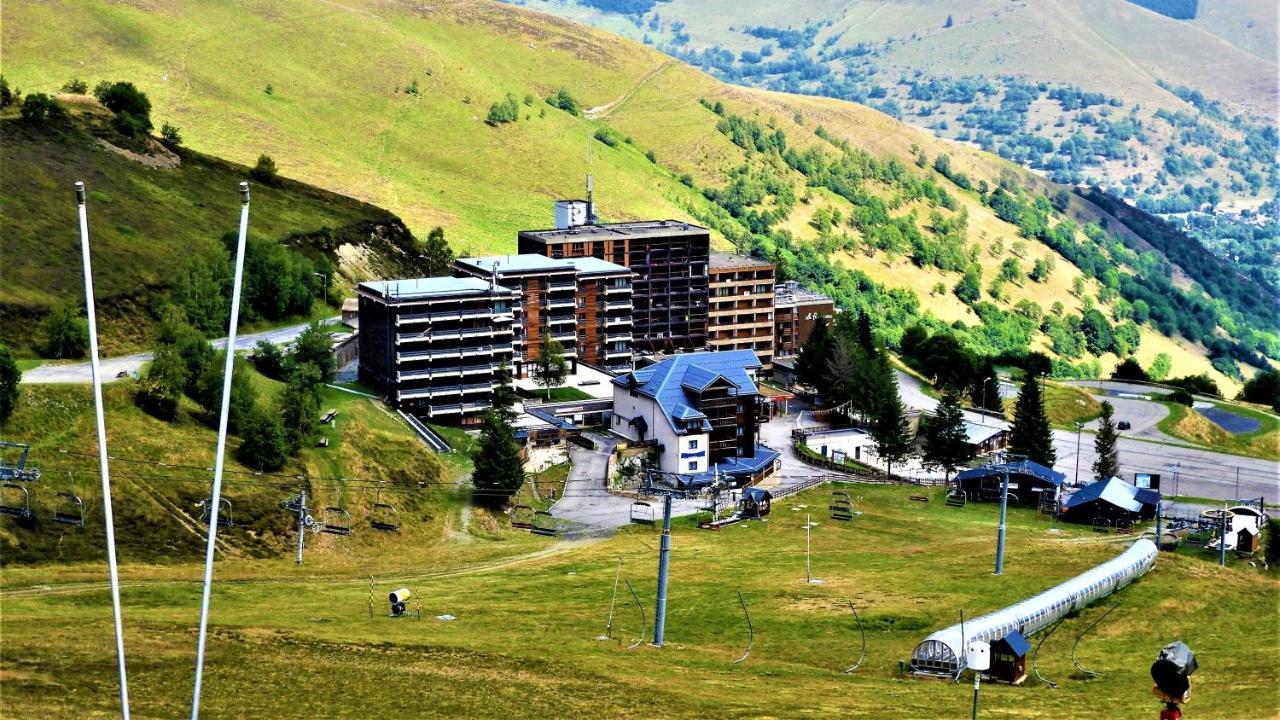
216	495
107	518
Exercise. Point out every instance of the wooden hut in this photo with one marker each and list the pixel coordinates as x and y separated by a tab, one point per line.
1009	658
754	503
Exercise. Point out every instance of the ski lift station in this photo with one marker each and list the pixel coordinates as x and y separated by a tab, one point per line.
942	653
1028	482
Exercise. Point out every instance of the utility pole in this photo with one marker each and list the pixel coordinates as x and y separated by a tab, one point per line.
1079	427
326	286
664	558
302	522
109	523
1004	510
1222	540
808	522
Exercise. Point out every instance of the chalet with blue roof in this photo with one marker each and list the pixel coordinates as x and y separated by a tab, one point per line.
702	413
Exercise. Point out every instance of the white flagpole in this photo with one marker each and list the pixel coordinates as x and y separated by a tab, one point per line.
215	498
107	518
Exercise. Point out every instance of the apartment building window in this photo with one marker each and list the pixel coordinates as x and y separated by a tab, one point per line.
693	465
693	444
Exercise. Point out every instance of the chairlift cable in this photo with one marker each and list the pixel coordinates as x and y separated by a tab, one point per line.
1083	670
861	631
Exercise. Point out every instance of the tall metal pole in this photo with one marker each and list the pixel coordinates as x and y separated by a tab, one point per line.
302	522
1159	524
664	558
1222	540
1004	509
807	523
216	496
977	681
107	518
1079	427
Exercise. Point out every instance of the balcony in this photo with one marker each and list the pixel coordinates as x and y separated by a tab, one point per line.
453	353
437	335
406	318
433	373
617	305
615	290
615	321
561	320
445	391
554	303
455	408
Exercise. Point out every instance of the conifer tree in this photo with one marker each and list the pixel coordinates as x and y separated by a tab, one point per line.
945	443
815	356
499	472
1031	437
1107	463
437	256
890	429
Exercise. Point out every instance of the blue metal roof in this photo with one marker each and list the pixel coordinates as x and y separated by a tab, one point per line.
545	416
667	381
756	493
1022	467
1017	643
733	467
1112	490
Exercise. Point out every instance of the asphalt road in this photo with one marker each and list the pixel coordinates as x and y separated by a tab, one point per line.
1199	473
129	364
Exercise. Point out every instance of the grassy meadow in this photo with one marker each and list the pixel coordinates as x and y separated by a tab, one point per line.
528	611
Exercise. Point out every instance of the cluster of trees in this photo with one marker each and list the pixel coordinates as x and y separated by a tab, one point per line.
506	110
278	282
10	378
853	370
952	367
563	100
185	364
1263	388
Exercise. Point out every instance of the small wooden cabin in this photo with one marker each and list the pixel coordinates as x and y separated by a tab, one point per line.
754	503
1009	658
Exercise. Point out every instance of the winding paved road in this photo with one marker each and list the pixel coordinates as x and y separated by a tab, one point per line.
1199	473
129	364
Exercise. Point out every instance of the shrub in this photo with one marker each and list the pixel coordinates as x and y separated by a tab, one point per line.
162	388
1181	396
7	95
75	86
506	110
264	442
564	101
10	377
606	137
38	108
268	359
265	171
66	334
171	135
130	105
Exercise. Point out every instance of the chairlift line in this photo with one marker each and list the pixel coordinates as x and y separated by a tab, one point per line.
1084	670
751	630
644	622
108	519
862	630
1036	654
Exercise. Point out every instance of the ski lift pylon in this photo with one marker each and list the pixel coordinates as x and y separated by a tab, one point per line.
70	510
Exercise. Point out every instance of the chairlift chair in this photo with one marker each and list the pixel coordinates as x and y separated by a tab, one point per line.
521	517
70	510
336	521
1102	525
224	512
544	523
841	506
642	513
384	517
957	499
15	500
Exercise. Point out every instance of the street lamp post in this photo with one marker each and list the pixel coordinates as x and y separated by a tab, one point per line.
1079	427
326	285
1176	468
982	411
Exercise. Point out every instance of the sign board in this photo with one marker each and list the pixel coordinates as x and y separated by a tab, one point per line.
1149	481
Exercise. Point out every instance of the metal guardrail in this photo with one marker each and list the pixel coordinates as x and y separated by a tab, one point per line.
429	436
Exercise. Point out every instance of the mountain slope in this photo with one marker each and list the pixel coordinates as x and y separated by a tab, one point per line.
338	115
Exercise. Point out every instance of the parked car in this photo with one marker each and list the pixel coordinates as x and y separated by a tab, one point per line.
1123	425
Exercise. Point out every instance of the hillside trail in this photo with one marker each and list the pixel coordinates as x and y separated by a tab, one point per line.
84	586
600	112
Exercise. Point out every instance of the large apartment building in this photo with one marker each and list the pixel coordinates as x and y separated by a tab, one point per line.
434	345
669	258
796	310
584	303
740	315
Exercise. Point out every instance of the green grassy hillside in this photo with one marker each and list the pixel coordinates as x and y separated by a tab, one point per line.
146	221
162	470
386	102
523	641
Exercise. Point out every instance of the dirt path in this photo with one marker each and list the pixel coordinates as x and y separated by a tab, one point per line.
602	111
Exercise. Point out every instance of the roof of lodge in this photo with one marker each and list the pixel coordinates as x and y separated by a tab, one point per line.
669	381
605	231
532	262
1113	491
726	261
415	288
1021	467
793	293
